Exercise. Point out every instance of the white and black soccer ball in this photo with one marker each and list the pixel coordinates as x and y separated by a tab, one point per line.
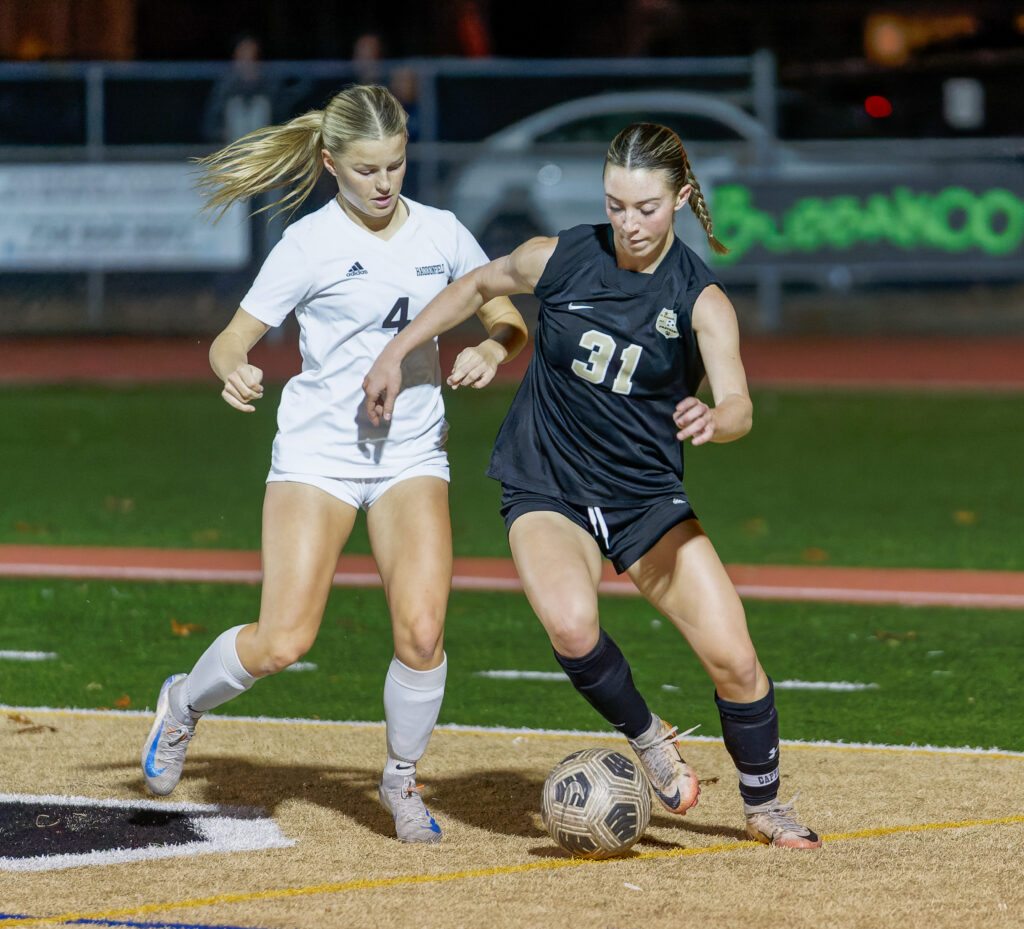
596	803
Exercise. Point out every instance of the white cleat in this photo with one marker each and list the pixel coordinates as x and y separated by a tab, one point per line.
413	822
774	823
163	754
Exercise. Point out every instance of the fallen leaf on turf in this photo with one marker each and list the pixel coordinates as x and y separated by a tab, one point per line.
123	702
896	637
815	555
205	535
119	504
18	718
28	528
756	526
965	517
185	629
31	729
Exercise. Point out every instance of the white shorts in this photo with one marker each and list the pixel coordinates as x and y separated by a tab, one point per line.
363	492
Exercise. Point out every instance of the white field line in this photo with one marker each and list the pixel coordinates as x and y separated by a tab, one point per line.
27	656
837	686
523	675
616	587
71	712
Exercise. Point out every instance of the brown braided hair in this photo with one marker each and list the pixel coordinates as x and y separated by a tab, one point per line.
656	147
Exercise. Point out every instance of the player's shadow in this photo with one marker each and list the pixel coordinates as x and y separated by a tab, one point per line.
229	781
502	802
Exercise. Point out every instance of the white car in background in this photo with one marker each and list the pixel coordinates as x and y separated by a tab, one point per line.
543	174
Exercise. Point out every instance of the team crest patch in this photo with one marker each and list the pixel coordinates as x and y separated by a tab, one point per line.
666	323
425	270
46	833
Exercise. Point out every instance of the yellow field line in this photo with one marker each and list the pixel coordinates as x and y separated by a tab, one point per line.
411	879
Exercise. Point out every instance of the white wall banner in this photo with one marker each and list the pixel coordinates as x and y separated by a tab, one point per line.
113	217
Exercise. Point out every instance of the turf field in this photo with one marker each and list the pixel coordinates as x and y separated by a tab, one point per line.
837	478
934	676
842	478
926	480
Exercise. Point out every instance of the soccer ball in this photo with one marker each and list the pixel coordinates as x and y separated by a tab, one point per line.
596	803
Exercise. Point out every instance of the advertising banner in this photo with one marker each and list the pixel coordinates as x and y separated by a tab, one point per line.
957	219
113	217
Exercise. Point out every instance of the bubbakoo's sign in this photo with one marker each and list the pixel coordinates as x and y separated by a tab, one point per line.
976	217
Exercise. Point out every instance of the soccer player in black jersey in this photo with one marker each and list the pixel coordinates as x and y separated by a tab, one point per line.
590	457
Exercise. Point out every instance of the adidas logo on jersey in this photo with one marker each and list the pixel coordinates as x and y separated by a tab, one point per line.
357	268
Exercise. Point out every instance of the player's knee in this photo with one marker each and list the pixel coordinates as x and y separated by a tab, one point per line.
277	652
737	673
572	620
419	640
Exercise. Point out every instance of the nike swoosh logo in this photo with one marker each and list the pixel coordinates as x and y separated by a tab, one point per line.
151	759
670	802
580	306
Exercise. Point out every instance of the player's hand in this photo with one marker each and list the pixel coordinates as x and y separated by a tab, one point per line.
695	421
381	385
242	386
475	366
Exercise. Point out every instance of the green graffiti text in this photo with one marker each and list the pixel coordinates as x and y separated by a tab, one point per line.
954	219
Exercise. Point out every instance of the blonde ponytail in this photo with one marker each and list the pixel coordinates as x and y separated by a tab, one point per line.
275	156
289	155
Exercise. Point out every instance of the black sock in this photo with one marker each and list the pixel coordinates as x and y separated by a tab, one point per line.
751	732
603	677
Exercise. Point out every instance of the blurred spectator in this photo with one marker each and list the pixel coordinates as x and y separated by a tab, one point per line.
639	29
367	55
245	98
404	85
472	29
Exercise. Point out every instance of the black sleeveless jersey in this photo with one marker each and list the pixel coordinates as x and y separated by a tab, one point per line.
614	352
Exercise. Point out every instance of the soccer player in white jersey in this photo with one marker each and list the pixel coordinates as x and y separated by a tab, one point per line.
354	272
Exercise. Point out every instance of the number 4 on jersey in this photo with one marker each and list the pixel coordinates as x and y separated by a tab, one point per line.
398	318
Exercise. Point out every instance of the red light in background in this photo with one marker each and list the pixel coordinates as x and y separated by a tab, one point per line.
877	107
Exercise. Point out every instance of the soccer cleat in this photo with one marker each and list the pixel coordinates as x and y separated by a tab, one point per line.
163	755
775	823
672	779
413	822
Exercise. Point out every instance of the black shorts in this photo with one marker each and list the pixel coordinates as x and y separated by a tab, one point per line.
624	534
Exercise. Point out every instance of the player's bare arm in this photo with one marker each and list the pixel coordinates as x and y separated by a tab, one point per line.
229	358
516	273
717	331
506	335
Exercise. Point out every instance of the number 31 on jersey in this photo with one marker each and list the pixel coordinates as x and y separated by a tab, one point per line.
602	350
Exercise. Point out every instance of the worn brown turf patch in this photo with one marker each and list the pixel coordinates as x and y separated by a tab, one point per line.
912	838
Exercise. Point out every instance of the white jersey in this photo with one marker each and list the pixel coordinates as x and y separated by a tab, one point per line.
351	292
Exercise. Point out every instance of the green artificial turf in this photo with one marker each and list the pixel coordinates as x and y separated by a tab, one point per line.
943	676
845	478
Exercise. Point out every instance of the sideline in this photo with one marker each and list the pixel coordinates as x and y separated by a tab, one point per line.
900	586
519	732
500	870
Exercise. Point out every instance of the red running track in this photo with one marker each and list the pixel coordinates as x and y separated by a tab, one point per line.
988	363
907	587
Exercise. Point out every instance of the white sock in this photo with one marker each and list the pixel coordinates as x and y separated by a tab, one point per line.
412	700
218	676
